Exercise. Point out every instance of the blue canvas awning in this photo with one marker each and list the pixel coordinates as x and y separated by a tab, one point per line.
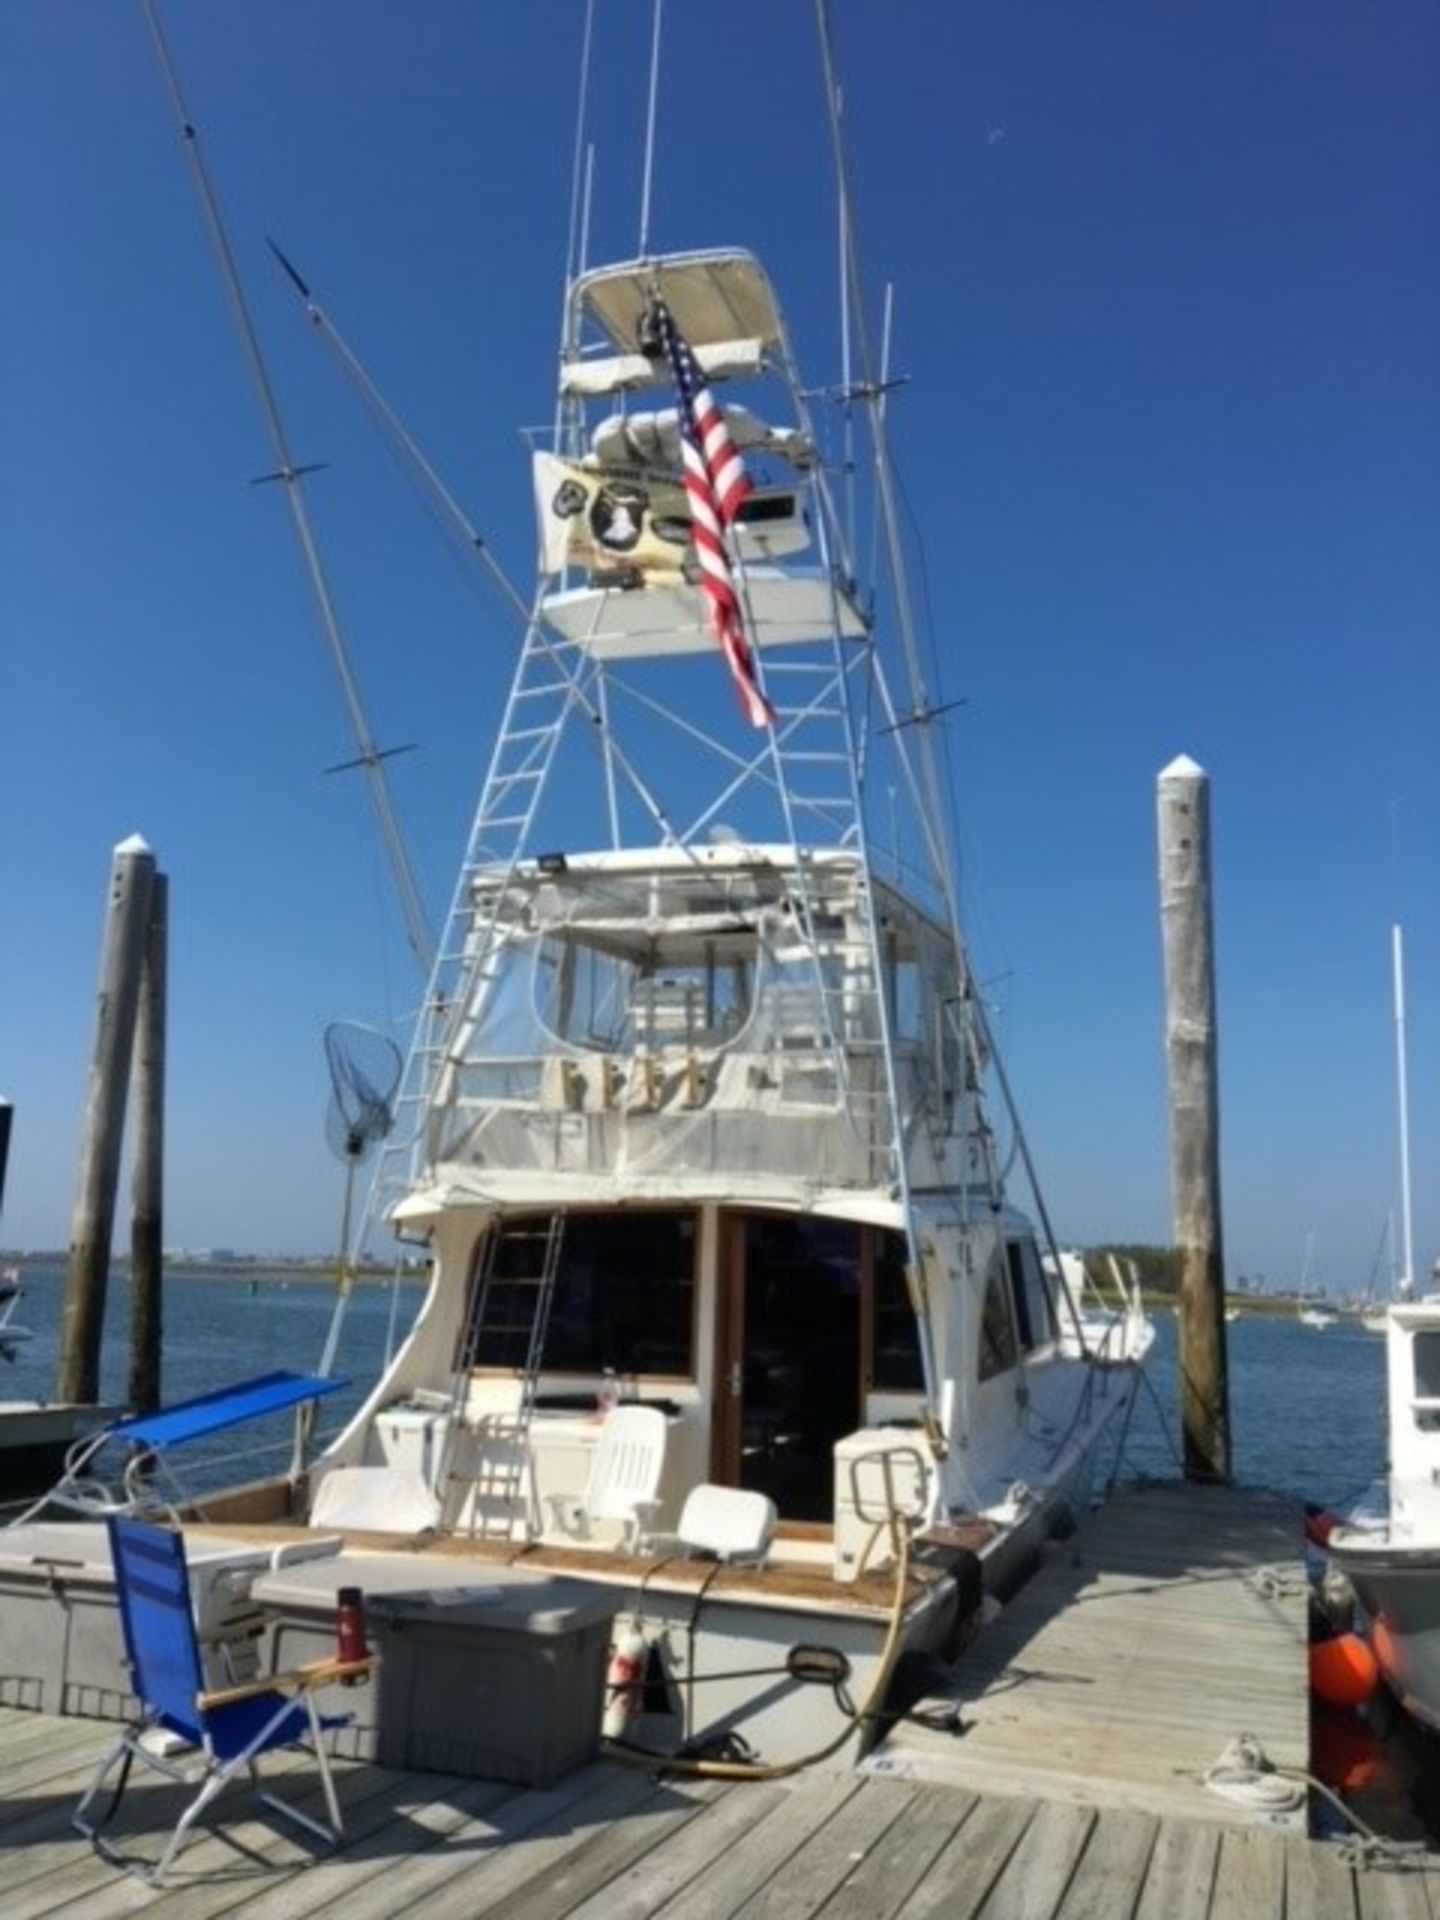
225	1407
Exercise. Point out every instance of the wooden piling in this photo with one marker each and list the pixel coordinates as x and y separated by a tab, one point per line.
148	1189
122	952
7	1114
1183	809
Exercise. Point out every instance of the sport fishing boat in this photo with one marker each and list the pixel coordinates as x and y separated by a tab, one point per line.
732	1309
698	1127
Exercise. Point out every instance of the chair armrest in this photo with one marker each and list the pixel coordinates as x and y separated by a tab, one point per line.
638	1523
315	1673
567	1513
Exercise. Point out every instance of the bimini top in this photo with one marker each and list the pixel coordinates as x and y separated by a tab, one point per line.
715	298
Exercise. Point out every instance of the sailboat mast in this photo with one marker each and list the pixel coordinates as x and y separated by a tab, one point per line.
1407	1262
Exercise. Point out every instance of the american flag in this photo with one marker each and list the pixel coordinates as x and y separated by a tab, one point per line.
716	485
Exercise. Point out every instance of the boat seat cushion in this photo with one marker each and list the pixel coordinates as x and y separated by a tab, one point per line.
375	1500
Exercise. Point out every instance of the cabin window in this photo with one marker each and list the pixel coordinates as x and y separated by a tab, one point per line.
896	1364
998	1352
624	1296
1427	1366
1034	1314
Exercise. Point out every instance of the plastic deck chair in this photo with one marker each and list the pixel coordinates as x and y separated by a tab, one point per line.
375	1500
226	1732
624	1477
731	1524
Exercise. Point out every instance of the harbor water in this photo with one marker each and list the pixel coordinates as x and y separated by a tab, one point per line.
1307	1406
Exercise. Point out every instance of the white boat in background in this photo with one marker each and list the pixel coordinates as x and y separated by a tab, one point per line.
1316	1317
1393	1557
12	1338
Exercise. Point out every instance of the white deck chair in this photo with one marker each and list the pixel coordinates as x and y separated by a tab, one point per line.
624	1477
722	1523
375	1500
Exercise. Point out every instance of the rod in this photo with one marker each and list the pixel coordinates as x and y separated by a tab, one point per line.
581	109
585	206
848	433
417	926
1407	1243
582	106
648	179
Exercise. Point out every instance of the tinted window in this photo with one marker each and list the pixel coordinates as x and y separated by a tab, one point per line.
1427	1366
897	1343
997	1333
624	1296
1034	1316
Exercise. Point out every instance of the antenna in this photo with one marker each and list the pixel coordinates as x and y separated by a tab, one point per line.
650	131
417	927
1407	1262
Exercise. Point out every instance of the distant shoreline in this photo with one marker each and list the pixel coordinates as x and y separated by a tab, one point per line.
370	1274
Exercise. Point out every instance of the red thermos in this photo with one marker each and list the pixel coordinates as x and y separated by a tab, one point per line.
350	1624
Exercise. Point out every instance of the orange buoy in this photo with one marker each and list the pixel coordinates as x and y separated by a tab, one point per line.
1320	1523
1344	1752
1343	1670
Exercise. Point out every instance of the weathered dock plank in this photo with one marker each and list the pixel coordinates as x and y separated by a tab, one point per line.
1180	1874
1143	1646
968	1867
613	1843
1111	1874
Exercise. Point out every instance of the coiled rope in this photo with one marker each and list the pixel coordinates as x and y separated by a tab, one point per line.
1246	1776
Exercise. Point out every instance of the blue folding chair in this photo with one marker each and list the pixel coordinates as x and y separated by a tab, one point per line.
221	1733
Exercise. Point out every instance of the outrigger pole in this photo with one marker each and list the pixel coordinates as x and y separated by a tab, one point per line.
933	814
406	446
368	756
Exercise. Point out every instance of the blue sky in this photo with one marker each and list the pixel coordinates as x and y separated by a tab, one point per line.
1169	304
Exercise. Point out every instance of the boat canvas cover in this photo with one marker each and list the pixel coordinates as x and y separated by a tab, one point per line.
712	297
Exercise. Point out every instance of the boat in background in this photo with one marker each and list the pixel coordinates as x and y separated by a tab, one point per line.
1390	1546
12	1338
1317	1317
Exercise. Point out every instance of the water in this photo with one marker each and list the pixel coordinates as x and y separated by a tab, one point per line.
1307	1407
220	1329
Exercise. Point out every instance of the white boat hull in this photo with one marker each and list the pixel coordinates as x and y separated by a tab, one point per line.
1399	1587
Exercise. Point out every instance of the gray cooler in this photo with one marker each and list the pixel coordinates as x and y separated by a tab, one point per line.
491	1672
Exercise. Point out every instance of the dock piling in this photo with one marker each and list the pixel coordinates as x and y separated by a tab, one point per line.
148	1189
132	875
1187	930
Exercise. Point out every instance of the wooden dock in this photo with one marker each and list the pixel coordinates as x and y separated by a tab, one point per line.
612	1843
1145	1644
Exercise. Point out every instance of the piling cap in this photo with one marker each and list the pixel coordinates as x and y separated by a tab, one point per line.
137	843
1182	767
